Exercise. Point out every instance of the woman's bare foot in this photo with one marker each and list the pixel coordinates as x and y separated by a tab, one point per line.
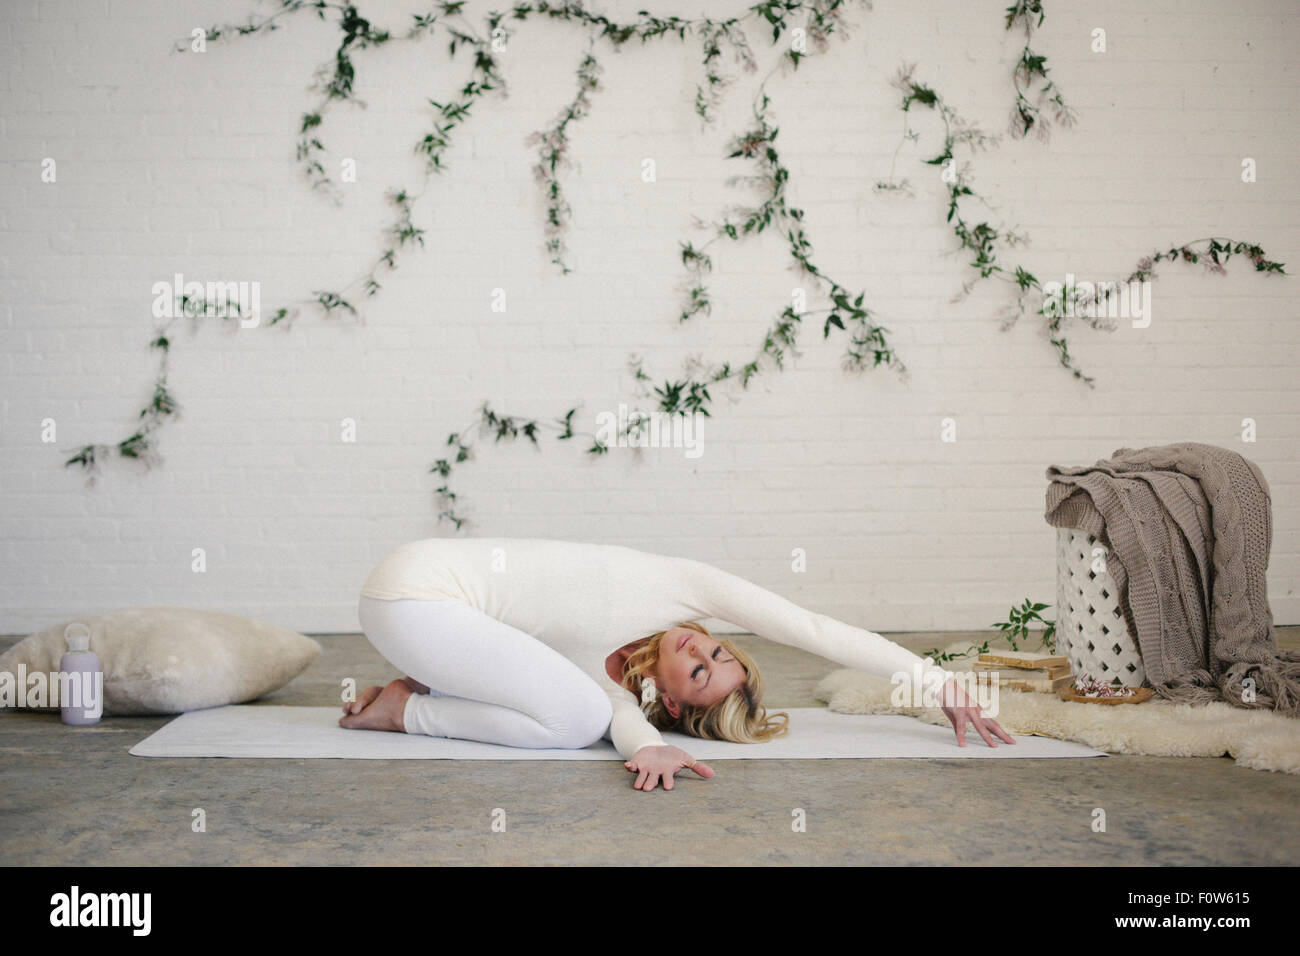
384	712
415	685
363	700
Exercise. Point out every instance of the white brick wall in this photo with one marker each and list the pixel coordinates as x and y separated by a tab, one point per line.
184	163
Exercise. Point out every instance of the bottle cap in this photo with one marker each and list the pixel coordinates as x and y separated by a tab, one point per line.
78	636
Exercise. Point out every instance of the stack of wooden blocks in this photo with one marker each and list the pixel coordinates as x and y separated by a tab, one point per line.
1035	671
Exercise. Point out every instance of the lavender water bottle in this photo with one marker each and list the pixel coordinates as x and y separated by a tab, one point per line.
87	704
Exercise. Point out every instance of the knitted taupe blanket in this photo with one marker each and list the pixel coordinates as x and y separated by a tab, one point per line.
1188	528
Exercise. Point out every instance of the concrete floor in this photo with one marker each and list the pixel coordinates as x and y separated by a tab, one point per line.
76	797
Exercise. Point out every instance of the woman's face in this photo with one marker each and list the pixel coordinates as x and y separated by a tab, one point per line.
694	669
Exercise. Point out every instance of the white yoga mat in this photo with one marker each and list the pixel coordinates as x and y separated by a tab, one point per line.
816	733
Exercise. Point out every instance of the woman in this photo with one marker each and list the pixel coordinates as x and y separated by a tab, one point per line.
525	642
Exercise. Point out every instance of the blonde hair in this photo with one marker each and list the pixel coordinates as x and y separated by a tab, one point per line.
739	717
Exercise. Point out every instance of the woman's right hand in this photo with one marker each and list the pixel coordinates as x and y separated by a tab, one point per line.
655	762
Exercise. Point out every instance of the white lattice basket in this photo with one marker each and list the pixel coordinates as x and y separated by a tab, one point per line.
1090	624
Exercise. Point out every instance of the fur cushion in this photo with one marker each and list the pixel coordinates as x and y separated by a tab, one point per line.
167	660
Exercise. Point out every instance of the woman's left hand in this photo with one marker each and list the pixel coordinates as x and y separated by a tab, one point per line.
961	710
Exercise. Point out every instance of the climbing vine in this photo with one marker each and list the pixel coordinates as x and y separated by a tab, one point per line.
554	155
1029	77
868	345
500	428
336	83
980	240
488	423
803	22
1094	302
162	405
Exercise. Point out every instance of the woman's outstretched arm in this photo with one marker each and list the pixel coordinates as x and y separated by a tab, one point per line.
728	597
719	594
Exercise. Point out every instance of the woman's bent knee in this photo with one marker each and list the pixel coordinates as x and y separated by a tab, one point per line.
587	721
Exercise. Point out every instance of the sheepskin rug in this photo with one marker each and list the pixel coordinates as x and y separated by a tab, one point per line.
1258	739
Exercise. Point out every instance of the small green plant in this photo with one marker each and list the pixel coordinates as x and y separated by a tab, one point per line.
1016	627
941	656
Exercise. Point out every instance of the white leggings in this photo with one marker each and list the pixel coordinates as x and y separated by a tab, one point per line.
488	681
